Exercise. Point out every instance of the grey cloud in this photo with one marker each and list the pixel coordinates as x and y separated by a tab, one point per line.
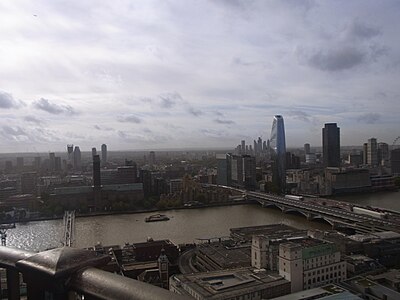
33	119
213	133
147	138
362	31
220	121
369	118
336	59
52	108
130	119
170	99
17	131
195	112
302	116
7	101
103	128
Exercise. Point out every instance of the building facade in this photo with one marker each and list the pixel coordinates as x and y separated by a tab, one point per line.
331	145
310	263
278	147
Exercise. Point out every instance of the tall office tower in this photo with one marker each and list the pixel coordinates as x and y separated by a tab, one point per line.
395	161
70	153
104	154
277	144
52	159
20	163
365	154
94	151
331	145
260	145
77	159
152	158
307	148
383	153
255	147
249	172
372	152
96	171
264	146
224	173
237	171
243	147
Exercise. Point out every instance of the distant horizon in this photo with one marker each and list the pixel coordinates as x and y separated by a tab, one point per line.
356	147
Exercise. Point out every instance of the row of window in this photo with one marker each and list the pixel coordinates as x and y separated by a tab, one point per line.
332	276
330	269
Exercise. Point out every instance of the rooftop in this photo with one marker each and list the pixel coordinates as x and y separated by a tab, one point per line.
228	284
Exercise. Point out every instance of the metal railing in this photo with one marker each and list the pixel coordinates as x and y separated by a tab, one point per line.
69	273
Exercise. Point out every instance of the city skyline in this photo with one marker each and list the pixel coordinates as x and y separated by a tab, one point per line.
170	75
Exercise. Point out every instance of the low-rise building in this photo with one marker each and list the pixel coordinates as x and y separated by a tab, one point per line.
242	283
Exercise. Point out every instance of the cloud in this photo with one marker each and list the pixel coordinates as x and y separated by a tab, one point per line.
302	116
14	134
7	101
194	112
169	100
130	119
220	121
336	59
33	119
369	118
52	108
362	31
103	128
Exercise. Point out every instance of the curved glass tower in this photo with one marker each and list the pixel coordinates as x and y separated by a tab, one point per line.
278	146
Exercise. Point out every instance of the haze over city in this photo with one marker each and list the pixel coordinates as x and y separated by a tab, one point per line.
171	74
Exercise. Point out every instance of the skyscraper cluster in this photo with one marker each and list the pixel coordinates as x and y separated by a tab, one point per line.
259	148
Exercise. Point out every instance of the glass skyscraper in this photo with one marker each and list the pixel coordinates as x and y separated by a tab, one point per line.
331	145
278	146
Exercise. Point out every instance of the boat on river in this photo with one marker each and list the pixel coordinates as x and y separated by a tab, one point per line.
156	218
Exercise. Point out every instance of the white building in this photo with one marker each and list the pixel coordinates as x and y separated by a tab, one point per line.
309	263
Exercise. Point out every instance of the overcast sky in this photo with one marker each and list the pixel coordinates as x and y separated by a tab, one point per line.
170	74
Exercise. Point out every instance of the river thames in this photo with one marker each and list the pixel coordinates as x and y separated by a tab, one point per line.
184	226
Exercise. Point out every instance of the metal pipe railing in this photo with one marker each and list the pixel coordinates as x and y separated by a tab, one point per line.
62	271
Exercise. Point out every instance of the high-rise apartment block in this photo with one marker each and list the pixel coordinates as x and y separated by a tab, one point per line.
77	159
224	174
278	146
307	148
372	152
103	154
331	145
395	161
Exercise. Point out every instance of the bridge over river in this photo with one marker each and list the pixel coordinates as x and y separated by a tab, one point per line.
338	215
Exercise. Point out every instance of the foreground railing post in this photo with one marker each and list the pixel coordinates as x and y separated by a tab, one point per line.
48	272
13	284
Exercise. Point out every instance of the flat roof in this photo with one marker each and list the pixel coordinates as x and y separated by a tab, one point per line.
226	284
331	292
